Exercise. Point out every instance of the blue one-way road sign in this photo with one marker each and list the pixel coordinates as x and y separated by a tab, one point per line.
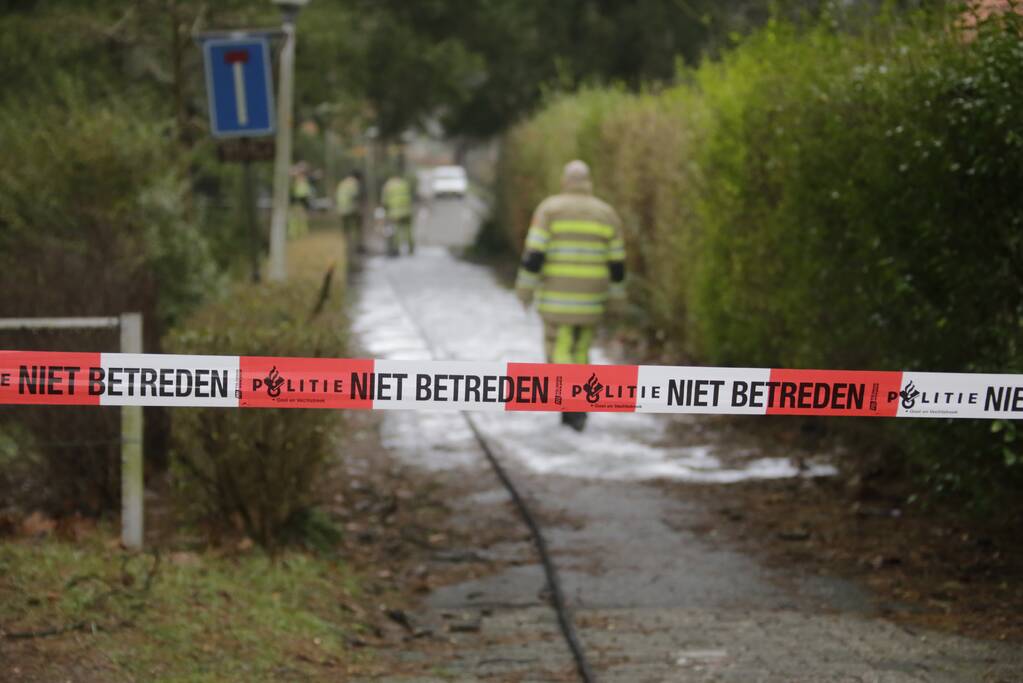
238	87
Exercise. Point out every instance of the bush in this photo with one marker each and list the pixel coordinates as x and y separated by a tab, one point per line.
650	174
98	206
822	199
534	153
861	206
863	212
255	471
92	223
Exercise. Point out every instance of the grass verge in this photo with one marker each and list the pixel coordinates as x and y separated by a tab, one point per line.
88	610
75	606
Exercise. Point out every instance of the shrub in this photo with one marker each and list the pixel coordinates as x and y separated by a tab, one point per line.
98	206
642	163
649	173
255	471
822	199
535	152
92	223
863	212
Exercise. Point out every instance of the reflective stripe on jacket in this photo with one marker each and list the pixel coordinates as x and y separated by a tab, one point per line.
347	194
397	198
301	189
574	243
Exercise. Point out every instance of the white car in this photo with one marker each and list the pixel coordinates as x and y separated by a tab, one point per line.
449	181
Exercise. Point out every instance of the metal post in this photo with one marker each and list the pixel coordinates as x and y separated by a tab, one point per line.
370	189
282	159
249	198
329	175
131	445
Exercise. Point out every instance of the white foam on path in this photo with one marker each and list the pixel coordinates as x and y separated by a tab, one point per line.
465	314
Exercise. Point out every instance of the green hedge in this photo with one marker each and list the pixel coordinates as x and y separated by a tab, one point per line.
92	194
821	199
867	203
93	222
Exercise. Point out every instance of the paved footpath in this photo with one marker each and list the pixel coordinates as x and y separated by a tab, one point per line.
653	599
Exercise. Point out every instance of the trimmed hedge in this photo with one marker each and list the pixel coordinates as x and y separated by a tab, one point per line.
93	222
821	199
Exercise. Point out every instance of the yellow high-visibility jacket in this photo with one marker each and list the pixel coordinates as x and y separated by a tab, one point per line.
301	189
574	258
397	198
347	196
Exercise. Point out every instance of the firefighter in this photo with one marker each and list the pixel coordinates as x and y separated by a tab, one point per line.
301	197
573	266
348	202
396	197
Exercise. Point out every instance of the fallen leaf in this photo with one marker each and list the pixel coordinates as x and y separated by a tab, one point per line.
184	558
37	524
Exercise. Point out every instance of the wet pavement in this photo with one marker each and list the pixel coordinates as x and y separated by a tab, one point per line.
653	600
434	305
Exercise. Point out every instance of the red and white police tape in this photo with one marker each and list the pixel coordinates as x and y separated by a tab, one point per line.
117	379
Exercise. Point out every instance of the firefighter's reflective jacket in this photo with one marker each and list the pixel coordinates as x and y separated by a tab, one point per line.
347	196
301	190
397	198
574	258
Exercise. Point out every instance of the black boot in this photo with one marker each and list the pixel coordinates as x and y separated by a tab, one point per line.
576	421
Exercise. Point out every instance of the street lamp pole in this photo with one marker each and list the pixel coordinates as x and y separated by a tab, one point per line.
282	157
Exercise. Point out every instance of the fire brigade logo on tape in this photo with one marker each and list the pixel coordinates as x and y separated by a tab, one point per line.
273	383
909	395
604	388
592	388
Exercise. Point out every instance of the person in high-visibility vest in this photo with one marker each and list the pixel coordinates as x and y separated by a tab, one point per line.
301	196
573	266
348	203
397	200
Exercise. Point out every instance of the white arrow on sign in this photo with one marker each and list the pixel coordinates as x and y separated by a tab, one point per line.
237	60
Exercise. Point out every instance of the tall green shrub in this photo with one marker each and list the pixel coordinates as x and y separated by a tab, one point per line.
826	199
536	151
89	196
861	205
92	223
648	171
863	211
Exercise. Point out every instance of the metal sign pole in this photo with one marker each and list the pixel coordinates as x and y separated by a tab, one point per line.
248	197
370	188
282	159
131	445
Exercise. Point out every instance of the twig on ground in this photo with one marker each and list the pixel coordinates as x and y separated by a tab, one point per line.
91	624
